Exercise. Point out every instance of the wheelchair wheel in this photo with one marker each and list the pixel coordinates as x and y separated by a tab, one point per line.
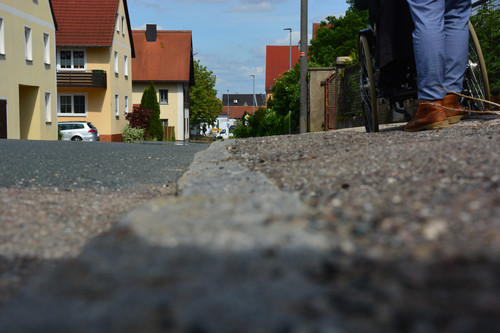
476	78
367	85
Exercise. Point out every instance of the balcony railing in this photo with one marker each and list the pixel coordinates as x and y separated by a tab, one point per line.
94	79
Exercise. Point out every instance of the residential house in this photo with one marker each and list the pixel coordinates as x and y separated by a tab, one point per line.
27	67
94	64
235	106
278	62
166	59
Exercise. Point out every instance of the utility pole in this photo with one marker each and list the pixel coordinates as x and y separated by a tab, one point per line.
228	111
254	101
304	121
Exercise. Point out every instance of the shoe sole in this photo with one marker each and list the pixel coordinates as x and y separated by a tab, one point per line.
454	119
433	126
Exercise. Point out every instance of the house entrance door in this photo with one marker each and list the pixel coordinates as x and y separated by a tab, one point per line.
3	119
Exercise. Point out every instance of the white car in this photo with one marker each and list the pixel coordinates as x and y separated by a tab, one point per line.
78	131
223	134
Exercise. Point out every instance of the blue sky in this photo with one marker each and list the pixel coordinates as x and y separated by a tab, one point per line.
230	36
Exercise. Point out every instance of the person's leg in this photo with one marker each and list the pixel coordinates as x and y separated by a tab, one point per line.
457	14
429	46
456	29
430	56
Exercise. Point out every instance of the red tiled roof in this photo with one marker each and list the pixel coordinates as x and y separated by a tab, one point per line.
168	59
236	112
85	23
278	62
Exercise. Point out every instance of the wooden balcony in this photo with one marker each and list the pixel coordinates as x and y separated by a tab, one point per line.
94	79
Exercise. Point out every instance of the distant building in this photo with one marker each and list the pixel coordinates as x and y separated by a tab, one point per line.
278	62
234	107
166	59
237	105
28	90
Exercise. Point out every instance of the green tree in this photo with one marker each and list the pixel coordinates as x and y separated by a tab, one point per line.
204	106
286	97
487	25
338	36
149	101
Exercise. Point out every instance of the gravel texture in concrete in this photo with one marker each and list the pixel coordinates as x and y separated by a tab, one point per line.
341	231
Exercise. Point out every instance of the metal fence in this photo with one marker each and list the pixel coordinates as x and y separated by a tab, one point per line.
349	107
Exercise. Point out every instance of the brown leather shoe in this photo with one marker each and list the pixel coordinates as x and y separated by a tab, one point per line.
430	115
454	111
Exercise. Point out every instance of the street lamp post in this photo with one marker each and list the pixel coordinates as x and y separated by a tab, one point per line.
253	102
290	29
304	115
228	111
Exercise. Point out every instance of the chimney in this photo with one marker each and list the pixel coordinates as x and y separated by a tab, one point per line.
151	32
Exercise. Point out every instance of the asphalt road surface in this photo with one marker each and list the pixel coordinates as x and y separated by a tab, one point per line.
92	165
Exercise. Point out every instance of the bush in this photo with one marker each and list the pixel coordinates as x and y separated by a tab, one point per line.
140	118
131	134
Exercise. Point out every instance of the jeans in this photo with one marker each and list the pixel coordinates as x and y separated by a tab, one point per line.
440	43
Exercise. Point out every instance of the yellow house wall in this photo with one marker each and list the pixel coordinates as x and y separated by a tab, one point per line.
120	84
173	111
101	102
28	81
98	99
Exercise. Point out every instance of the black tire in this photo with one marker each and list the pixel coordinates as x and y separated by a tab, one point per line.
76	138
367	85
476	82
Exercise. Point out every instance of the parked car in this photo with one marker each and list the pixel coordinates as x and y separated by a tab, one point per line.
222	135
78	131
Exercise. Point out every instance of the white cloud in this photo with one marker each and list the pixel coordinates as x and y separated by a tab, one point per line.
203	1
286	40
233	74
258	7
151	4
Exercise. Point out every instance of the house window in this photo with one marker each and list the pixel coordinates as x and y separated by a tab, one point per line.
164	122
163	96
28	44
69	59
126	104
123	25
72	105
116	62
48	107
125	65
117	105
117	23
2	37
46	48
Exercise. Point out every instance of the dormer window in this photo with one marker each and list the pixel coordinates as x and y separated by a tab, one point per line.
71	60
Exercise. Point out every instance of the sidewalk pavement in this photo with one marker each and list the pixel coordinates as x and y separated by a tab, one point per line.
339	231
